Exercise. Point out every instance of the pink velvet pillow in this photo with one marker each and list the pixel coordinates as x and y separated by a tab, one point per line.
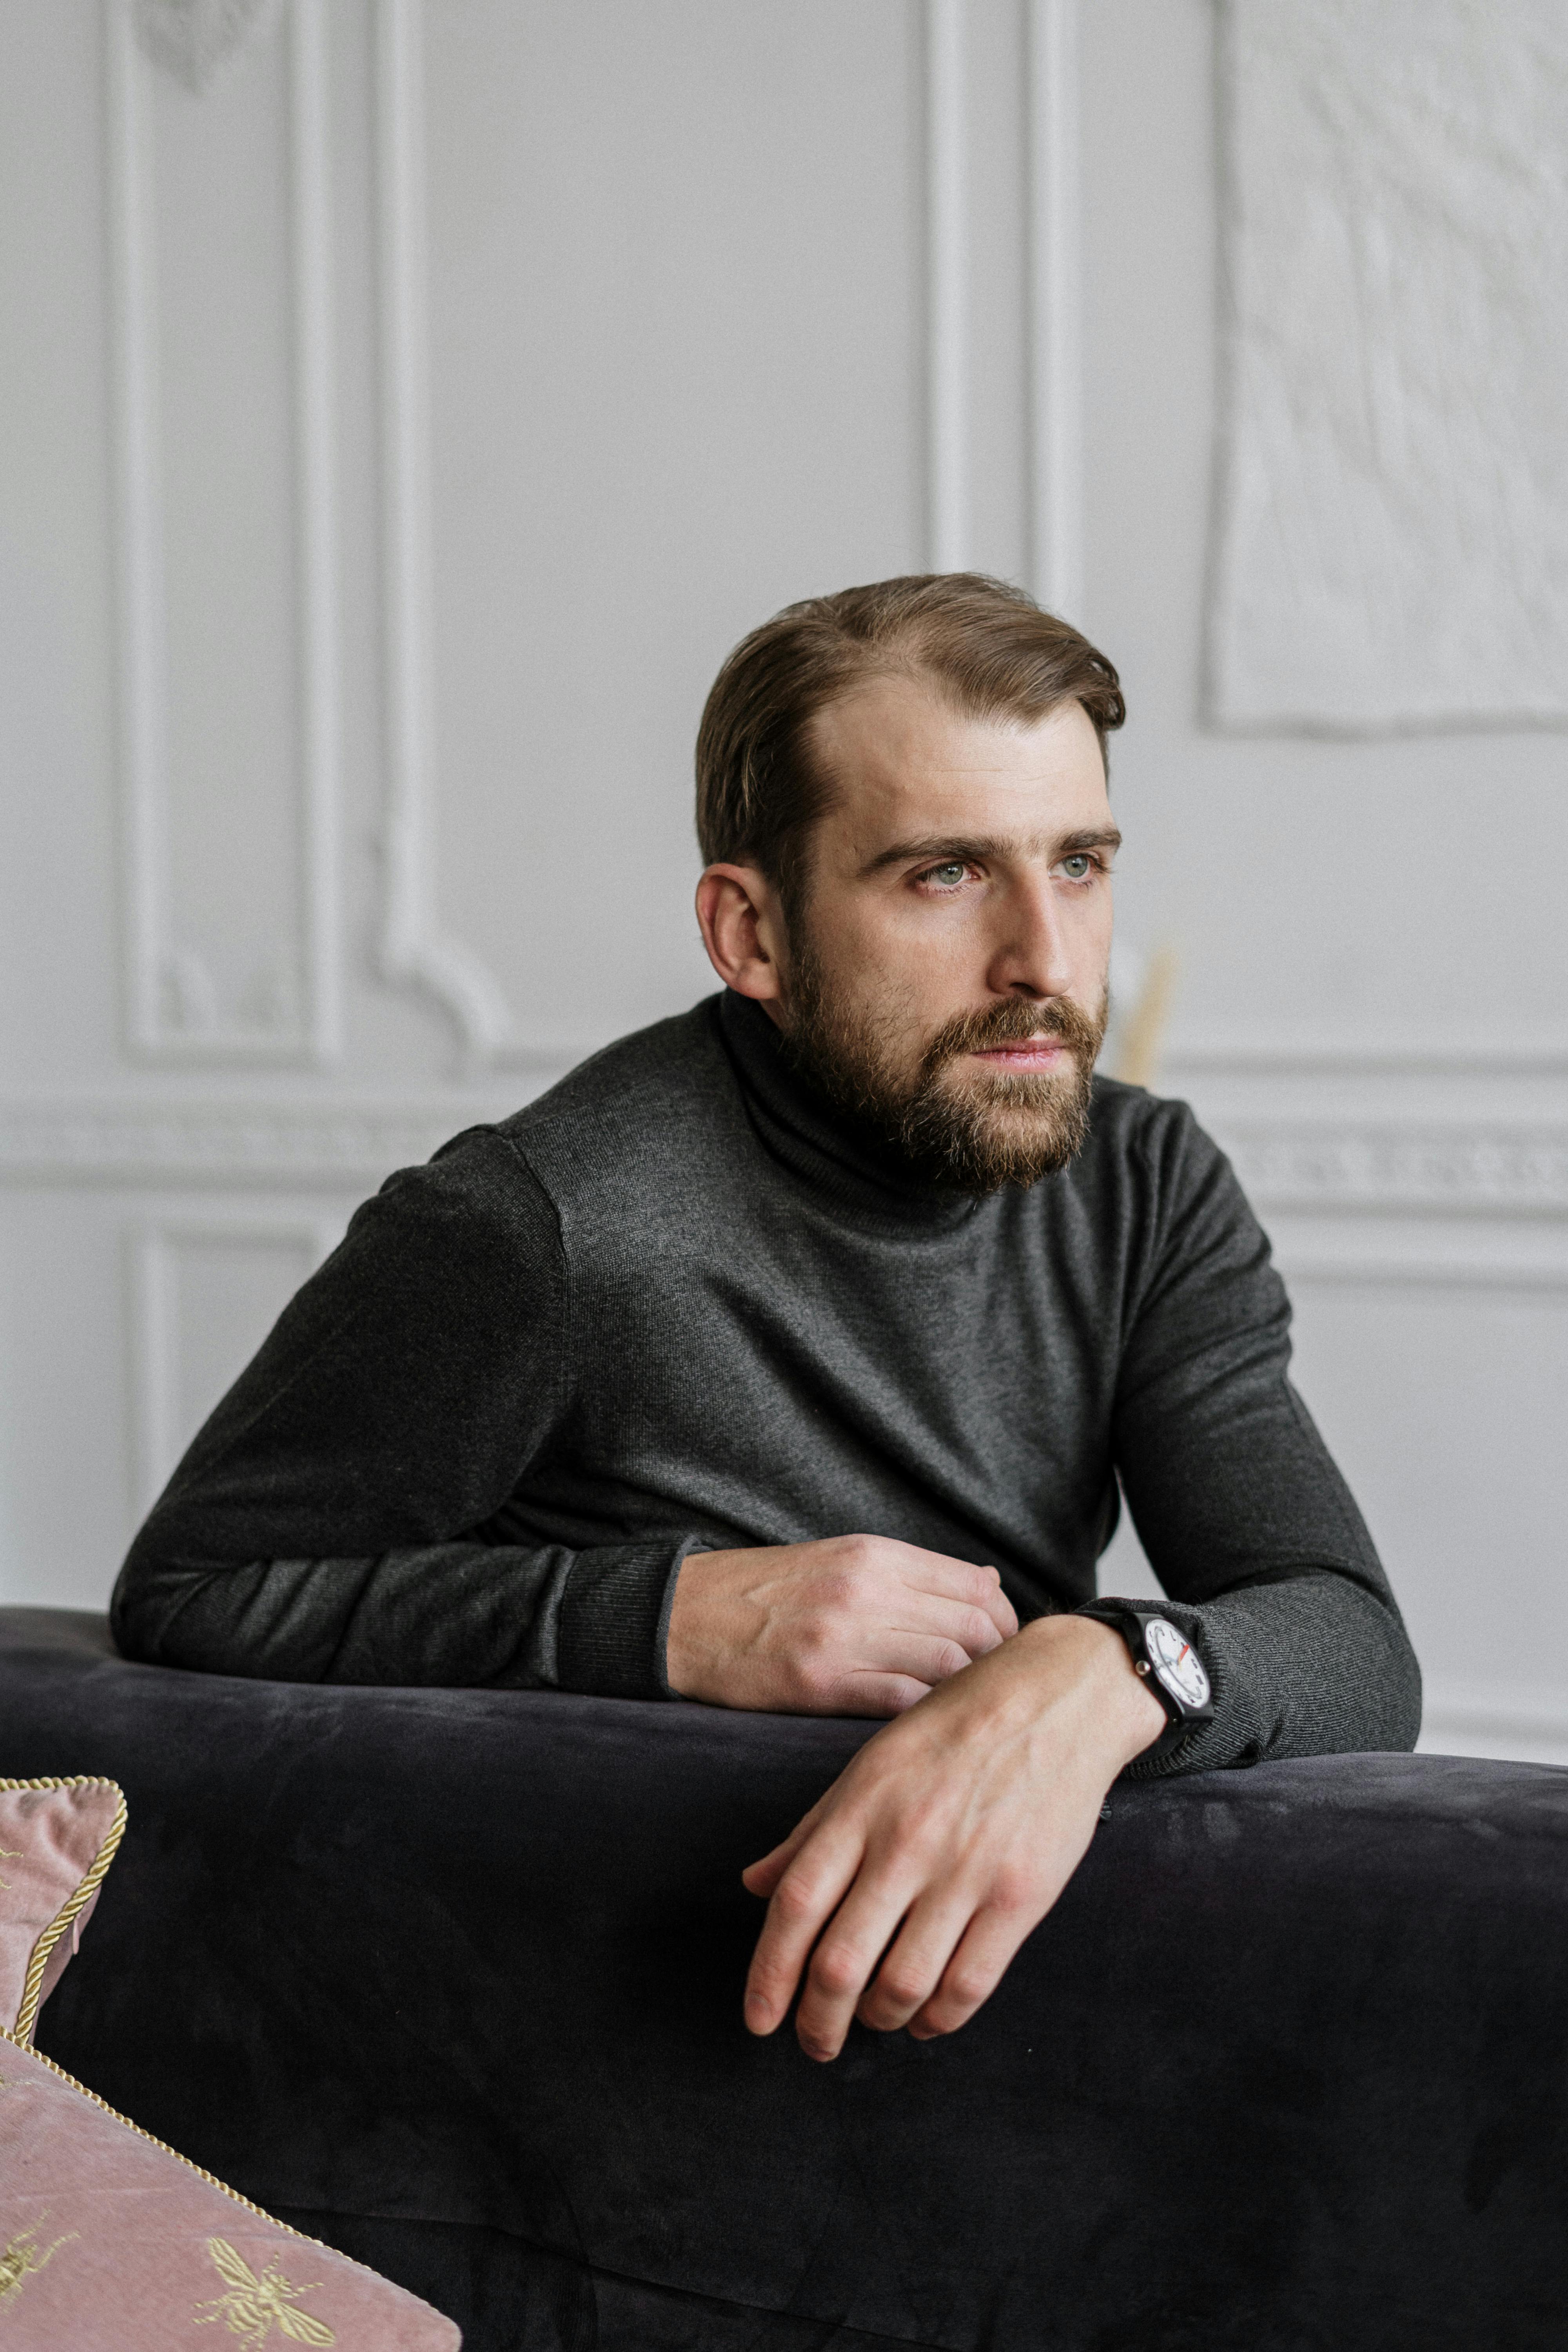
56	1840
110	2242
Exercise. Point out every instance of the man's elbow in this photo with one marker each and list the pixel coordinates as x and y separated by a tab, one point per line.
151	1616
1403	1692
1381	1676
190	1613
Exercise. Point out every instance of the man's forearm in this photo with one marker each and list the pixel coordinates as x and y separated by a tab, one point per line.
1310	1664
464	1614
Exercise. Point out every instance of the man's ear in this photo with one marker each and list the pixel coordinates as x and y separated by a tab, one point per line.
743	930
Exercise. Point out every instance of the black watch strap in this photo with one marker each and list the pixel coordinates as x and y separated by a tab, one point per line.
1168	1661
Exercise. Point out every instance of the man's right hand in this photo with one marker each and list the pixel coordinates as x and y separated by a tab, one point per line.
852	1625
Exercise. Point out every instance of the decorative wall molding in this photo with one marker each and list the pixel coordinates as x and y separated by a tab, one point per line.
295	1144
172	1007
1052	297
1527	1277
1054	233
1332	1166
1499	1171
1366	1057
947	229
151	1251
412	950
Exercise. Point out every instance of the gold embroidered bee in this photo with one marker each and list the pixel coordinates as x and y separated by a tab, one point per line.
254	2306
6	1855
21	2259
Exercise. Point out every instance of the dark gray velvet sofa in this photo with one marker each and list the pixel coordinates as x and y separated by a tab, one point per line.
452	1979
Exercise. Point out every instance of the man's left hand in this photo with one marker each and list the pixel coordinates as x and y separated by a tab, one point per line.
948	1839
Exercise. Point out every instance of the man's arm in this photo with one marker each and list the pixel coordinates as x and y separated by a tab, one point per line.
1245	1517
342	1516
345	1514
966	1818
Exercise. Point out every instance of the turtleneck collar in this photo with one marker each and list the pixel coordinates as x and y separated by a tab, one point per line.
826	1147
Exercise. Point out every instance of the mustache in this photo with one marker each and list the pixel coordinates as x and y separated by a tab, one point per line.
1013	1023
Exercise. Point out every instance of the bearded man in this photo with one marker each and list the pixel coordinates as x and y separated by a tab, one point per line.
790	1353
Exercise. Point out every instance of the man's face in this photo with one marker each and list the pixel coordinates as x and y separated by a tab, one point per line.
947	979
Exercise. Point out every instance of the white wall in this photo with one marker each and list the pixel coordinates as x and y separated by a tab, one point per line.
400	427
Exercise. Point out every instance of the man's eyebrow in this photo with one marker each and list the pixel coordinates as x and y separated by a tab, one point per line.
932	848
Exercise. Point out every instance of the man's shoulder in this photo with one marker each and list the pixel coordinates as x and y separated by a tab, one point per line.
661	1097
1127	1122
1151	1174
1149	1150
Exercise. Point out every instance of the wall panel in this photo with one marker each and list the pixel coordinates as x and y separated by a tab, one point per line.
221	384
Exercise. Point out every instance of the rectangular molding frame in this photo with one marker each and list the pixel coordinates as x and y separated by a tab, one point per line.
1055	356
948	515
1051	209
140	624
413	950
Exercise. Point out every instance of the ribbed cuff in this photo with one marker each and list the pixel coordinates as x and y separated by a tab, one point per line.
1180	1748
614	1616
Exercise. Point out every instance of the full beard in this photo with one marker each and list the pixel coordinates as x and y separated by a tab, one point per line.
1002	1127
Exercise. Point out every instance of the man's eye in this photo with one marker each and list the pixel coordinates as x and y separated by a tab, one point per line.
1078	867
948	876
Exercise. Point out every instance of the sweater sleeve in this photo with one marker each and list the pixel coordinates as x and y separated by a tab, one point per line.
1244	1516
341	1517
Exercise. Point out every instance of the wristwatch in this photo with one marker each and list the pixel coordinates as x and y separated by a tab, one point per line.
1168	1663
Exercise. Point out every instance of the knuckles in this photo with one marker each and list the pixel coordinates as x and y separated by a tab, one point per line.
794	1899
1014	1890
980	1632
837	1969
900	1990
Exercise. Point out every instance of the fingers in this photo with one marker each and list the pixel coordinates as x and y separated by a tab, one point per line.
984	1953
979	1589
898	1670
912	1654
844	1961
804	1899
913	1967
761	1877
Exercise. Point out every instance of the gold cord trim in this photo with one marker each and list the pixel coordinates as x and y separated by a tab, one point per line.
161	2145
33	1982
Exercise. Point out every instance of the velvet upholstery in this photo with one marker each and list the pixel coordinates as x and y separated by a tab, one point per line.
452	1978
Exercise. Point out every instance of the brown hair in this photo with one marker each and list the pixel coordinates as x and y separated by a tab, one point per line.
985	646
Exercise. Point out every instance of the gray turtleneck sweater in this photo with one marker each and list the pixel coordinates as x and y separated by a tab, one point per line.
681	1304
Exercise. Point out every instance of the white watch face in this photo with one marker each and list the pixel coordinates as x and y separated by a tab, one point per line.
1176	1662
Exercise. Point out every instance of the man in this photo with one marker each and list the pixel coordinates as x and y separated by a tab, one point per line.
788	1354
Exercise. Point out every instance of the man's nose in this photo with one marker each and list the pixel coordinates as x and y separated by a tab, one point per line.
1031	956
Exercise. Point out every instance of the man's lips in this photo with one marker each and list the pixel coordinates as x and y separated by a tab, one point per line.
1025	1054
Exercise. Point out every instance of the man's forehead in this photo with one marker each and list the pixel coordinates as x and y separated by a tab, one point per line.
899	756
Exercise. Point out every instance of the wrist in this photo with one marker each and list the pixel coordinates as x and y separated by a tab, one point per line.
1121	1716
683	1649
